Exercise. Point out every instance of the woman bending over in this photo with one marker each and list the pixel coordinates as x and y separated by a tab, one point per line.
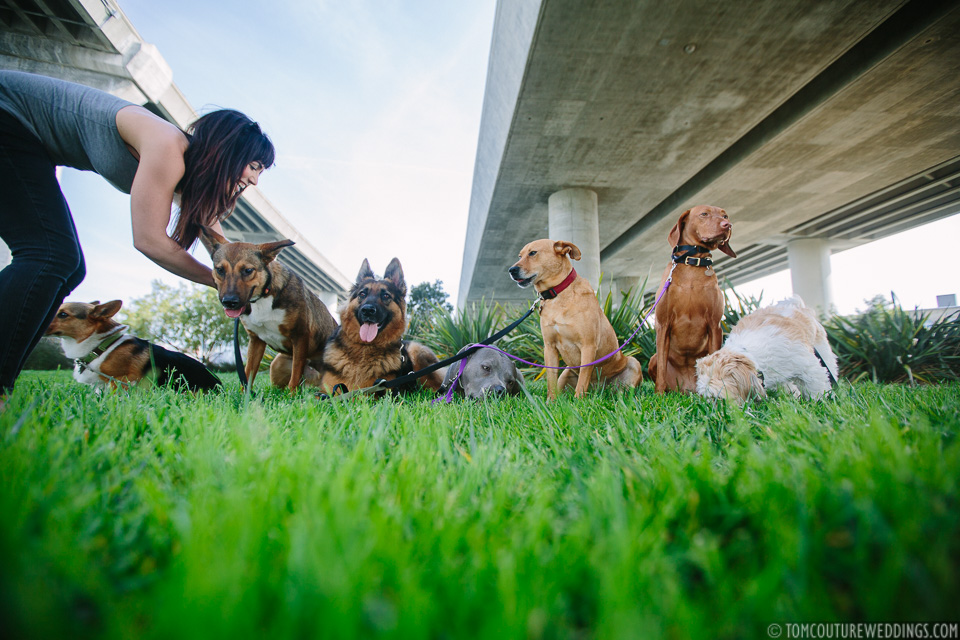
45	123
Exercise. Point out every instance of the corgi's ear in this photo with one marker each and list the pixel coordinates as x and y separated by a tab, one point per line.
365	272
271	250
105	310
211	240
564	248
677	232
394	274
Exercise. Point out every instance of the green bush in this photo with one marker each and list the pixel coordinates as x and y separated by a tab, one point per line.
734	310
888	344
446	334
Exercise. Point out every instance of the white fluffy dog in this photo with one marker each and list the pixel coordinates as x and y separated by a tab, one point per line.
770	348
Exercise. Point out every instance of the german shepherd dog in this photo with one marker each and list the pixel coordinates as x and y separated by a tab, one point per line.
274	306
107	356
369	345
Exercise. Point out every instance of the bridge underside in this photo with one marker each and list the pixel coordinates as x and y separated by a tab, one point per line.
837	121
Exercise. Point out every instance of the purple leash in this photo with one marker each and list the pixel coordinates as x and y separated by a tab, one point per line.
463	363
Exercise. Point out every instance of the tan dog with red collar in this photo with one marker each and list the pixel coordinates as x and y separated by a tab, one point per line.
572	323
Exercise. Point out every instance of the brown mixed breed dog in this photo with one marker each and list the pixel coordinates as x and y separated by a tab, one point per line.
274	306
689	313
107	356
368	345
572	323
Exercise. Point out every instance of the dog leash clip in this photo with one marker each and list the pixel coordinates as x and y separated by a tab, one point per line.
670	276
338	390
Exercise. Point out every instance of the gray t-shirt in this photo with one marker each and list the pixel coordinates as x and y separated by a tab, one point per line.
77	125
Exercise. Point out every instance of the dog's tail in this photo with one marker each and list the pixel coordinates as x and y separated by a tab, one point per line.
181	370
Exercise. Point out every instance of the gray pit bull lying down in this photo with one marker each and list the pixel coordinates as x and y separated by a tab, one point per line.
486	373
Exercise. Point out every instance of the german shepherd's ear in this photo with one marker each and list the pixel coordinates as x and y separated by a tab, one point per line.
365	272
677	232
564	248
211	240
394	274
271	250
105	310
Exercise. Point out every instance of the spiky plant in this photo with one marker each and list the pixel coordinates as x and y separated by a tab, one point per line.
889	344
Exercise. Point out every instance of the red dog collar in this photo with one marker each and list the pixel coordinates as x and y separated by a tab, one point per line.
553	292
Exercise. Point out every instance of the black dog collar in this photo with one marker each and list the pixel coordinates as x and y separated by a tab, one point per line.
553	292
683	254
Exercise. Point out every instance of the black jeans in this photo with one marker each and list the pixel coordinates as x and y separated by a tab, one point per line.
47	263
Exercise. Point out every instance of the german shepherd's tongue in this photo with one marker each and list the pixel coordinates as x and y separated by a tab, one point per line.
233	313
368	331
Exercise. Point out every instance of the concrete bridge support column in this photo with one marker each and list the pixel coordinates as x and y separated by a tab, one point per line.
810	272
573	217
329	299
617	287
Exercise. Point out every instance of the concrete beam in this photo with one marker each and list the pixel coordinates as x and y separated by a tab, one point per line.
514	25
783	116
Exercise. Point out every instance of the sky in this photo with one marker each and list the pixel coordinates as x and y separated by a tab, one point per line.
374	107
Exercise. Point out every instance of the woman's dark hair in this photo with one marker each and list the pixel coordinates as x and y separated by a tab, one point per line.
222	144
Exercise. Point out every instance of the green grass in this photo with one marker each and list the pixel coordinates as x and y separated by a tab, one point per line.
623	515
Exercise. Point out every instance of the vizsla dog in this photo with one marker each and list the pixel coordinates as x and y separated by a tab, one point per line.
572	323
689	313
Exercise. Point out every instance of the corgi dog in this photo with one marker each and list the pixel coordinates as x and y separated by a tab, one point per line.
106	356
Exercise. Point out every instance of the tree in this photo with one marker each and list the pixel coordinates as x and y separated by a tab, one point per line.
426	299
188	317
48	355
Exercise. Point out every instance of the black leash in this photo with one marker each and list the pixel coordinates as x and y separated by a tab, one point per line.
385	385
236	354
833	381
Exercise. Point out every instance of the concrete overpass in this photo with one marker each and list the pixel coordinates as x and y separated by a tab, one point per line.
818	126
92	42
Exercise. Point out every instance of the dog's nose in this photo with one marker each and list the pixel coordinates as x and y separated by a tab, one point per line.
230	302
514	272
725	224
368	313
497	390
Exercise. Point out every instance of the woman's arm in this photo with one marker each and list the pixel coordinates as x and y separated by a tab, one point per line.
160	147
